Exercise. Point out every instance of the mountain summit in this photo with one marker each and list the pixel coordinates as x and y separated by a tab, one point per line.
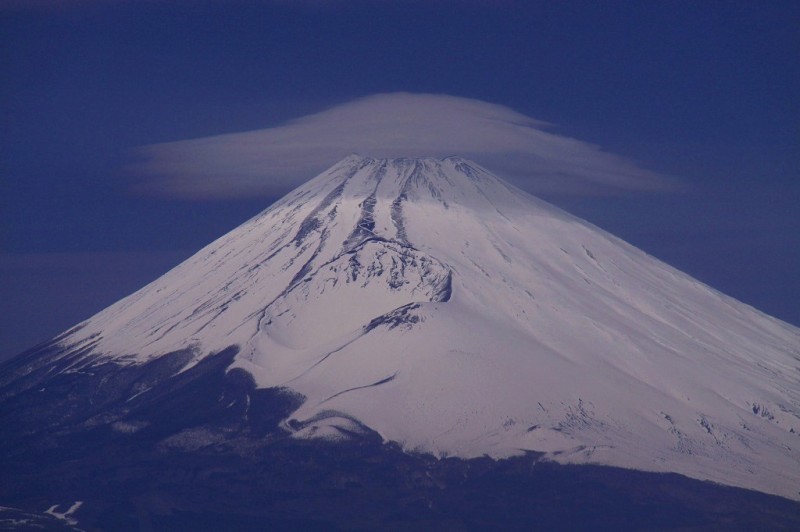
428	301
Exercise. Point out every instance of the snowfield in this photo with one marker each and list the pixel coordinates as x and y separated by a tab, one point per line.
431	302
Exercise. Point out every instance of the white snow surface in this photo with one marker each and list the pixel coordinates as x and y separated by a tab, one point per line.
65	516
435	304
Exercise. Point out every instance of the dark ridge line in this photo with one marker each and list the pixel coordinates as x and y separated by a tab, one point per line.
490	202
366	220
222	308
170	329
378	383
383	318
468	170
296	424
262	313
292	285
323	359
442	175
376	238
94	337
306	268
311	221
446	292
418	177
443	295
396	215
200	310
69	332
285	201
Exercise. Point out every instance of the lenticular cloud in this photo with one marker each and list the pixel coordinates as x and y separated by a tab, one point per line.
271	161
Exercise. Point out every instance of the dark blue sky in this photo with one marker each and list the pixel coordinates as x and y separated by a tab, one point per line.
705	91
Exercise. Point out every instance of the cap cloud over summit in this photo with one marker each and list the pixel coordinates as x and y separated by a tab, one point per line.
269	162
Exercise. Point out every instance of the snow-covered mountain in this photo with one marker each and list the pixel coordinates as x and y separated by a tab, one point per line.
429	301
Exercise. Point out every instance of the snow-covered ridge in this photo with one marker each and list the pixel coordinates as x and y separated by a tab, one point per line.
346	223
433	303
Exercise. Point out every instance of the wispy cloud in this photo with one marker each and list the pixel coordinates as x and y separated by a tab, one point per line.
271	161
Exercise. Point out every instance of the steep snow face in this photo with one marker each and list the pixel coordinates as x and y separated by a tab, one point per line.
433	303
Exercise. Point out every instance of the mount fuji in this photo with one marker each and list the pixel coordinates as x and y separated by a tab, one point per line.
427	307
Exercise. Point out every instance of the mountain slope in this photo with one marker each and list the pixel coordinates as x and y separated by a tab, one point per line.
430	302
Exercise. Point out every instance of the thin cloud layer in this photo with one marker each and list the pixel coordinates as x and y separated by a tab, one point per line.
272	161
